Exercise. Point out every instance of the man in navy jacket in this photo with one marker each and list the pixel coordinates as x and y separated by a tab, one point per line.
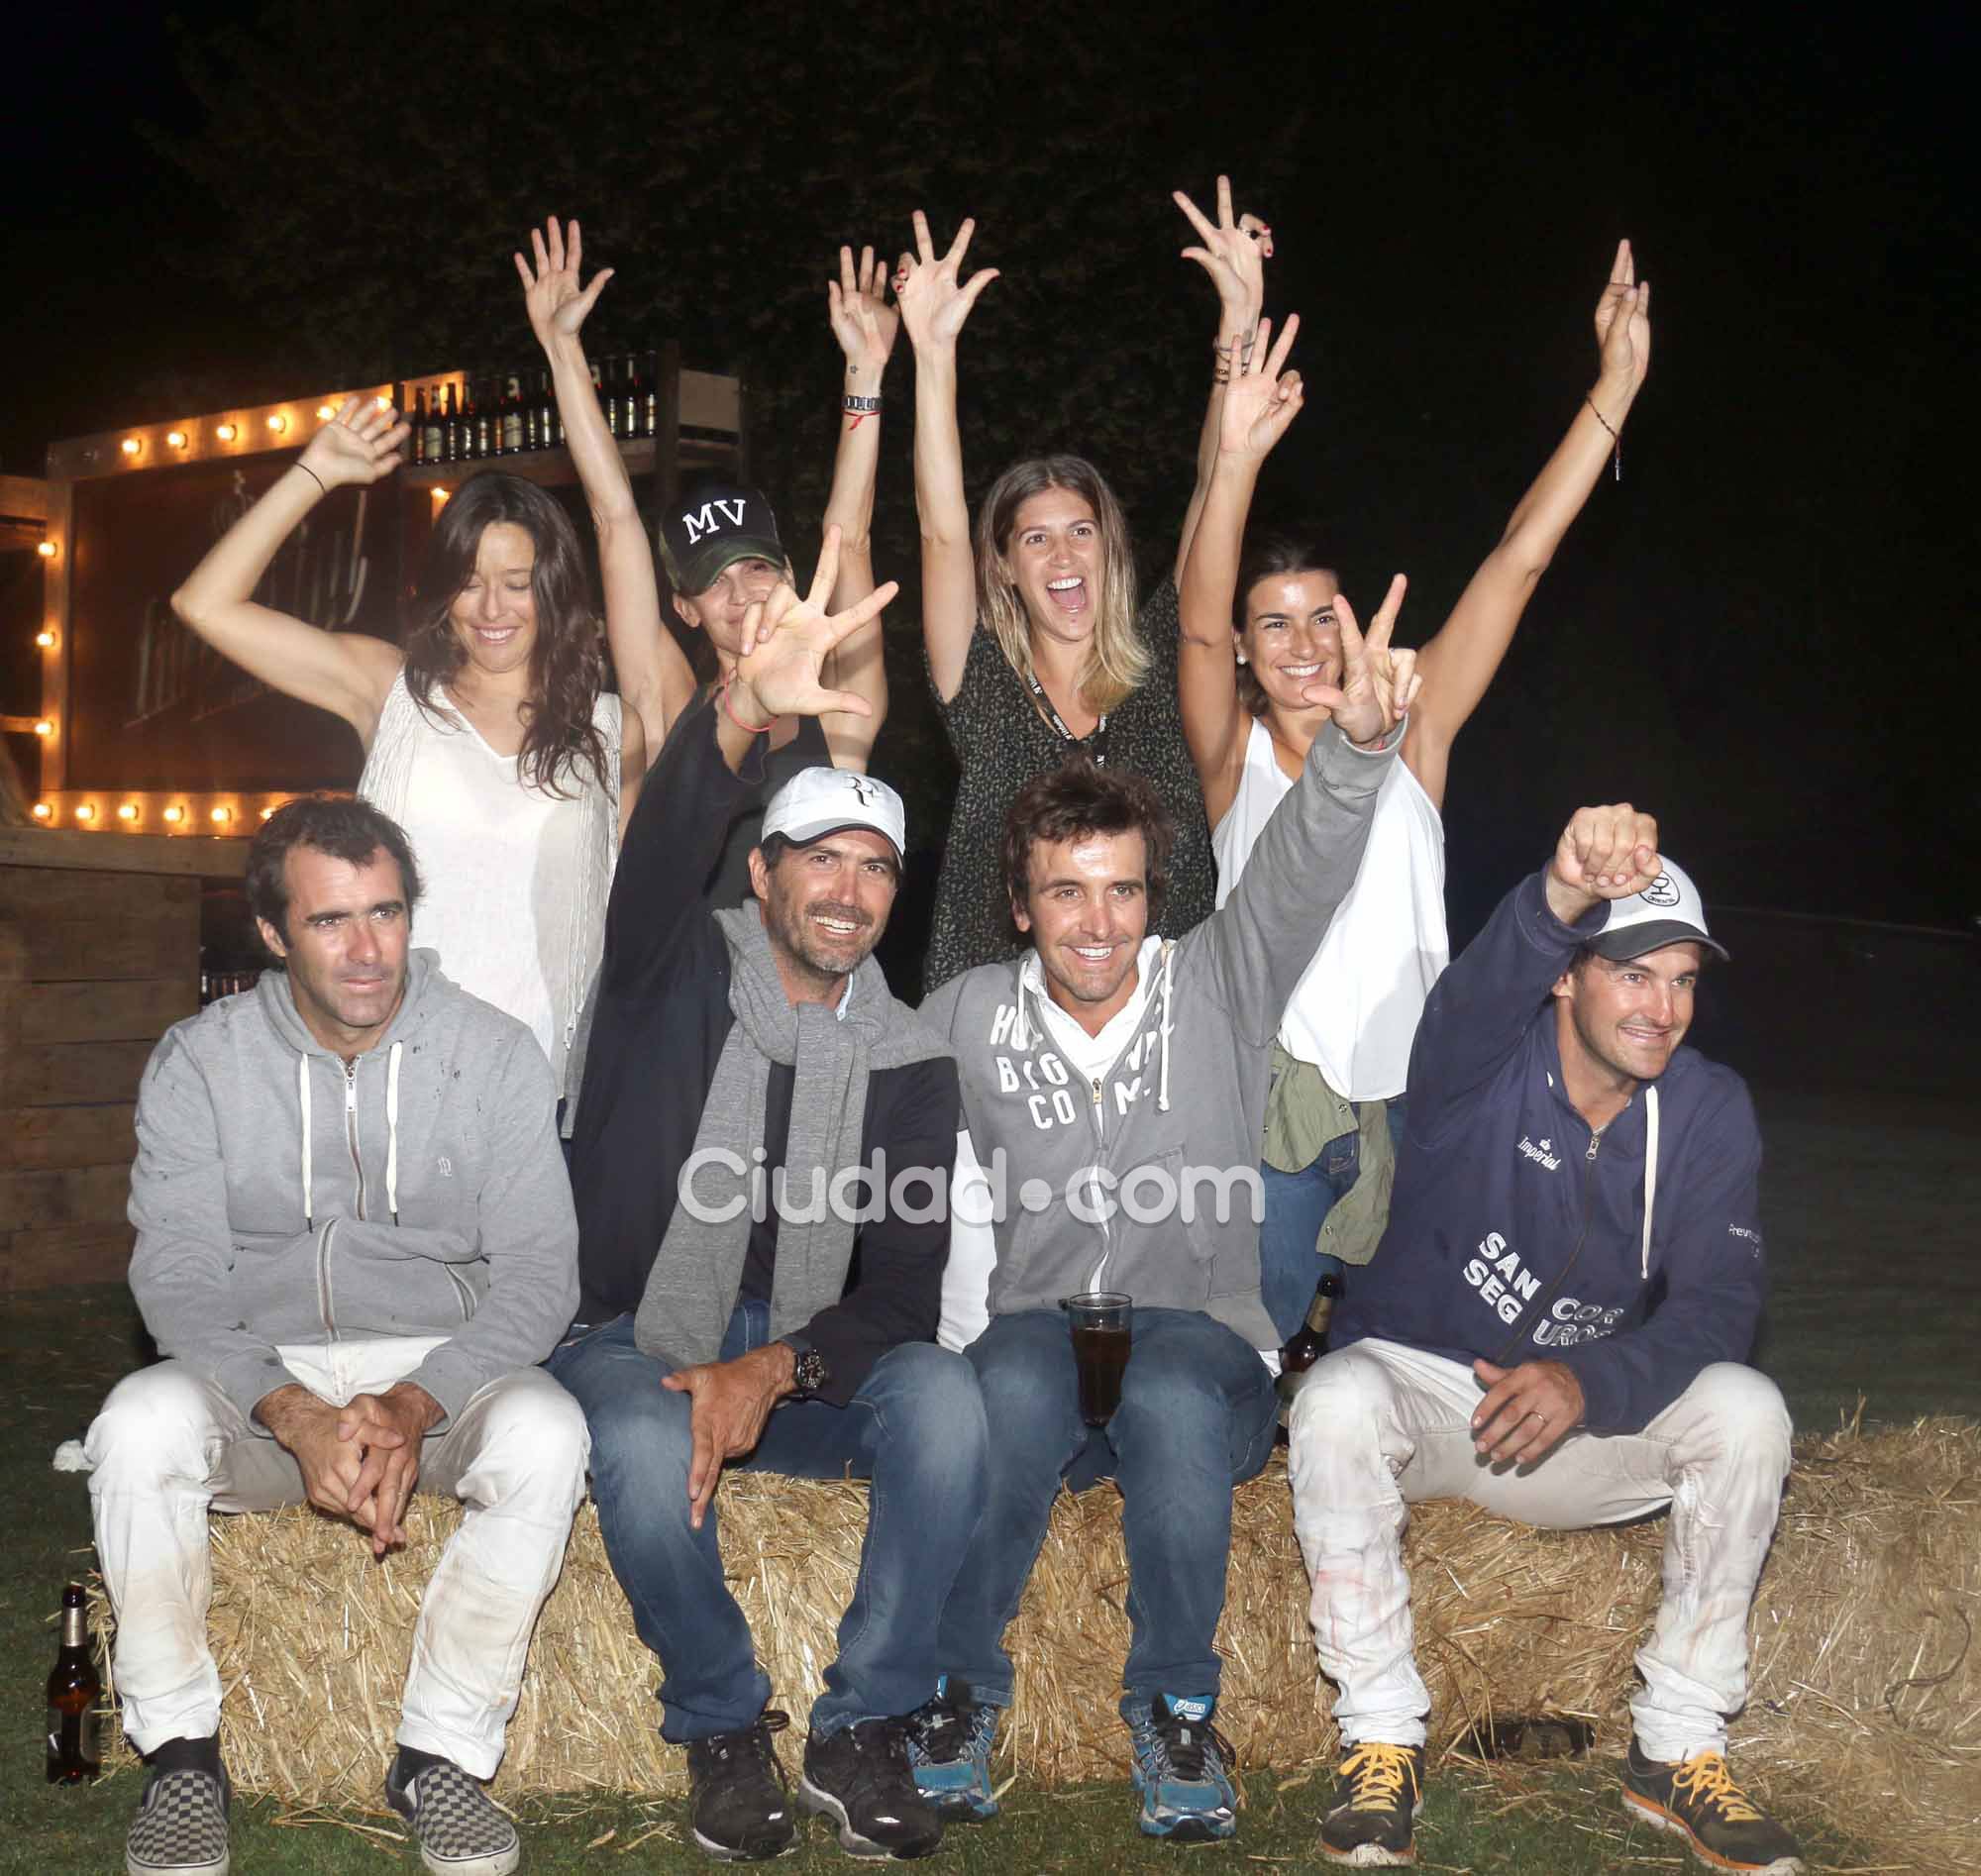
1555	1329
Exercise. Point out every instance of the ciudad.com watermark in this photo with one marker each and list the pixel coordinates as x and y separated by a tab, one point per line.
717	1185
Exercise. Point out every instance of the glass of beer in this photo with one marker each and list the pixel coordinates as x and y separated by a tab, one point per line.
1100	1326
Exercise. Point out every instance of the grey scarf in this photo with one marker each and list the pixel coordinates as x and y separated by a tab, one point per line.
698	1274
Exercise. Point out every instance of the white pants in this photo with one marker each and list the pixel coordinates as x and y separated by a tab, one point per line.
1378	1427
168	1445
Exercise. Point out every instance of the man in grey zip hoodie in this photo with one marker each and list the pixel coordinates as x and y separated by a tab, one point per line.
1114	1088
354	1242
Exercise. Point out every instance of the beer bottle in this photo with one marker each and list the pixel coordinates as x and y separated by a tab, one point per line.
450	430
74	1688
632	399
513	417
416	418
1310	1340
433	432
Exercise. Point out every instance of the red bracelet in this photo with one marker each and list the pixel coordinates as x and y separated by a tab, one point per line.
752	729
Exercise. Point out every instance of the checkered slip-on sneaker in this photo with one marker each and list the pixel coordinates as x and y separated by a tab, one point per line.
181	1828
460	1830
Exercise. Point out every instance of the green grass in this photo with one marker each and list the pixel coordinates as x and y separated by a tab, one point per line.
1865	1224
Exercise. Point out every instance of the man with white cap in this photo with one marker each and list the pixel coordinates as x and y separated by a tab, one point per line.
757	1162
1555	1329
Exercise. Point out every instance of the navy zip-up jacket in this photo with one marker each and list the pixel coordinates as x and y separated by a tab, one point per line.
1516	1234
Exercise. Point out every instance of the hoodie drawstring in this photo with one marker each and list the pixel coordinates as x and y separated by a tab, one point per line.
392	1130
303	1096
1650	1173
1163	1083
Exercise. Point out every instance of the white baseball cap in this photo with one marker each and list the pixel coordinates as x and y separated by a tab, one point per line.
1668	911
815	802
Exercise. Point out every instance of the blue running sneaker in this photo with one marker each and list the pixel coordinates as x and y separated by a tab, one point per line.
1180	1768
948	1751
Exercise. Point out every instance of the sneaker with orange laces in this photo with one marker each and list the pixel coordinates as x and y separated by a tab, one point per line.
1378	1793
1698	1800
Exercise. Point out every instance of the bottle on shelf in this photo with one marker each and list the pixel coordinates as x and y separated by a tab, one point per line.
536	426
416	417
482	417
75	1689
632	398
450	429
650	403
431	431
513	417
607	404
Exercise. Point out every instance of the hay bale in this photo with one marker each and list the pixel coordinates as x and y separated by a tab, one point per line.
1859	1638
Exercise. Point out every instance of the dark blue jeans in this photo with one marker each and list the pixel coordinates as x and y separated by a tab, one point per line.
1297	1206
915	1429
1196	1417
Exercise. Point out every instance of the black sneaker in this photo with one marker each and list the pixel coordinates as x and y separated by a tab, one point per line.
1698	1800
1378	1793
459	1828
859	1777
740	1798
181	1828
949	1752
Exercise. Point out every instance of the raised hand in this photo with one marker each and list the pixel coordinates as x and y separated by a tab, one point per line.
358	446
787	641
929	289
1624	323
1234	253
551	293
1605	853
1262	398
861	320
1379	681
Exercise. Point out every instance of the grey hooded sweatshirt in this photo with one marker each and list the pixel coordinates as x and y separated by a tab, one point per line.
282	1198
1132	1163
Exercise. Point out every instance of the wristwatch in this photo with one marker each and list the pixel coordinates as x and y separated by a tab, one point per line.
811	1373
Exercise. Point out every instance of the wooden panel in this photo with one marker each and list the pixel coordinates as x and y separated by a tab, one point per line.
27	893
62	1074
67	1254
76	1195
106	1012
26	496
31	1137
195	855
163	942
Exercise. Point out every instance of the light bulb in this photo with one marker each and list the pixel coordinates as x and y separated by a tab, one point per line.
279	423
226	431
44	812
45	549
265	812
86	812
44	639
383	401
45	727
175	815
221	817
128	812
325	412
130	446
176	438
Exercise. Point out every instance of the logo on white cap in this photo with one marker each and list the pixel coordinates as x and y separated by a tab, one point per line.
818	801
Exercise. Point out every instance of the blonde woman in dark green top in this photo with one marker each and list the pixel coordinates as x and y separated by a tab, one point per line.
1035	647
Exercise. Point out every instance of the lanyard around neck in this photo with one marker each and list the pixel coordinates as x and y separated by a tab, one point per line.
1100	749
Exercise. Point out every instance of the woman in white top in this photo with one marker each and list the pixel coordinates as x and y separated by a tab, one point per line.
1258	638
490	738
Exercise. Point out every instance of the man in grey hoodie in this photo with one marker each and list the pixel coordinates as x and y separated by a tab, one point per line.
354	1242
1114	1086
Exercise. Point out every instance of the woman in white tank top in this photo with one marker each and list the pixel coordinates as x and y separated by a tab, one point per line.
490	738
1261	654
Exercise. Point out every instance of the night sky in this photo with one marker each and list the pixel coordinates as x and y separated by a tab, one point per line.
1764	631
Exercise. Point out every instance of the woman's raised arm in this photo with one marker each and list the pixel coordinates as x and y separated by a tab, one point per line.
1460	661
346	672
1259	403
655	679
1234	253
934	306
866	326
